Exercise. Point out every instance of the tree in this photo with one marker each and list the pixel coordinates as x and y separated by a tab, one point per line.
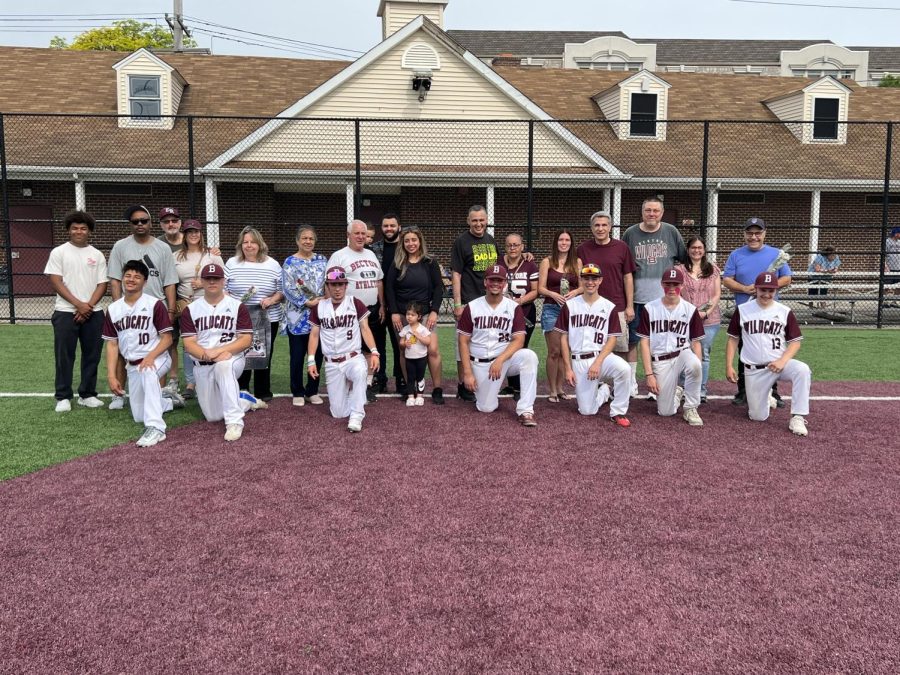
127	35
889	81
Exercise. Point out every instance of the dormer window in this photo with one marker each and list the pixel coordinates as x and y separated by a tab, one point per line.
144	99
825	119
643	115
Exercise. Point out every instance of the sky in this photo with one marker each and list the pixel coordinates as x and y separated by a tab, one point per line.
348	28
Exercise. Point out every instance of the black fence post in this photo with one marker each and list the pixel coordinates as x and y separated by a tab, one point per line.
357	192
529	198
7	226
885	203
704	196
192	193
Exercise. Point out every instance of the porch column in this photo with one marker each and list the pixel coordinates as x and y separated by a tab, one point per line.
712	230
351	202
616	210
80	199
607	197
815	206
212	213
489	205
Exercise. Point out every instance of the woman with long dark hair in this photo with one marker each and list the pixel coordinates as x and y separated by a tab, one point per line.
557	282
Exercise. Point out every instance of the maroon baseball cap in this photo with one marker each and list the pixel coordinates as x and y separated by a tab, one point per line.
754	222
167	211
335	275
212	271
191	224
673	275
495	272
767	280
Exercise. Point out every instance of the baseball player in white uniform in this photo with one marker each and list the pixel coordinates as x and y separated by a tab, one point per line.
217	331
340	322
491	337
138	327
670	331
771	338
591	325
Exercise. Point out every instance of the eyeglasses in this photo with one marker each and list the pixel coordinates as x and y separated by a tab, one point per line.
140	221
169	221
514	246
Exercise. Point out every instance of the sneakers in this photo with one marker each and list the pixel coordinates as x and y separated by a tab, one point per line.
63	405
150	437
603	393
437	396
778	402
420	386
621	421
679	395
739	399
117	403
797	425
400	385
315	399
380	386
299	401
410	402
507	391
171	386
420	400
251	402
651	396
773	402
233	432
189	392
90	402
527	420
354	425
370	395
691	417
174	396
464	394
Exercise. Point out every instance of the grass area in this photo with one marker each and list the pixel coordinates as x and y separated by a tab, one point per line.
33	436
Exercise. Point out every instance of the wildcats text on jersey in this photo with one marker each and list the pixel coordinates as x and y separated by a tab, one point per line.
587	321
669	326
133	322
502	323
339	321
763	327
212	322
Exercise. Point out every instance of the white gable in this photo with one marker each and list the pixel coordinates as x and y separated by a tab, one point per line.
610	52
799	106
825	59
148	68
616	103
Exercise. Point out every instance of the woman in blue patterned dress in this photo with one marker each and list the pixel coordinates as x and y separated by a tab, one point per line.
303	278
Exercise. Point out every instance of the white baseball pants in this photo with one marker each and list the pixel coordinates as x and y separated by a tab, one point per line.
587	392
667	374
145	395
218	391
759	383
344	401
523	363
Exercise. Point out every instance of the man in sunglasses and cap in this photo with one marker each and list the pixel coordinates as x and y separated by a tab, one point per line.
591	325
161	282
340	323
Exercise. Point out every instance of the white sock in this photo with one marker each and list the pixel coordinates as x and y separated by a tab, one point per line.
633	367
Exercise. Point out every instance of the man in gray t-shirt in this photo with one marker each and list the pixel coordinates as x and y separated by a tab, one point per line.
655	246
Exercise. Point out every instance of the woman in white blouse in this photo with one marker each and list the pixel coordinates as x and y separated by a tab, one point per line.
255	278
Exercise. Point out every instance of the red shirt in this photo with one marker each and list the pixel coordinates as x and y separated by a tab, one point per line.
615	261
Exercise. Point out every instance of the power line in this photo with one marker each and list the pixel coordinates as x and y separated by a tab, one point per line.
42	19
272	37
231	38
820	6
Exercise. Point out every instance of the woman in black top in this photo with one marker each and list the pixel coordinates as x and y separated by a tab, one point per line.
415	276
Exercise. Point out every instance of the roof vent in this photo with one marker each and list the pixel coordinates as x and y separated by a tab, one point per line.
421	56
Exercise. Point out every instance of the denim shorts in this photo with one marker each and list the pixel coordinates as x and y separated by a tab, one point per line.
549	314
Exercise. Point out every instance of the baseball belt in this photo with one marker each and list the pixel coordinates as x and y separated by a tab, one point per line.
341	359
667	357
136	362
204	363
586	355
754	366
477	360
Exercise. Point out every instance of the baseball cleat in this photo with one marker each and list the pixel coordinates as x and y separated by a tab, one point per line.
299	401
437	396
90	402
150	437
315	399
778	402
233	432
527	420
63	405
189	392
603	393
797	425
464	394
739	399
354	425
117	403
621	421
175	397
692	417
171	386
371	397
679	394
506	391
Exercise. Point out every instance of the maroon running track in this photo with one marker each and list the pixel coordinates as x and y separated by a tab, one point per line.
443	539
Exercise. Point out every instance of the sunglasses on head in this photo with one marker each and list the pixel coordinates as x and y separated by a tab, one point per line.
140	221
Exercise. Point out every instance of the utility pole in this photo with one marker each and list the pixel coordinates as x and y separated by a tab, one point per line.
176	23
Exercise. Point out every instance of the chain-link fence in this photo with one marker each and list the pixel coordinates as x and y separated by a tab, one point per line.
818	188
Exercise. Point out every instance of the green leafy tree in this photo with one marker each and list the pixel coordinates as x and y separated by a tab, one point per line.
127	35
889	81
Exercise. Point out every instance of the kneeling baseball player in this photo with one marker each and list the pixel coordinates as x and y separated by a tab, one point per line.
771	337
340	322
491	334
588	321
137	327
670	330
217	331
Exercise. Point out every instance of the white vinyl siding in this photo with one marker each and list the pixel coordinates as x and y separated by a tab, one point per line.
171	89
397	15
788	109
616	105
801	106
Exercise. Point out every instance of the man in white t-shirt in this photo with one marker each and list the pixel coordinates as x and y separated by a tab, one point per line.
137	326
77	272
365	277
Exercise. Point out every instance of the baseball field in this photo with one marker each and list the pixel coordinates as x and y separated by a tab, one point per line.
441	539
